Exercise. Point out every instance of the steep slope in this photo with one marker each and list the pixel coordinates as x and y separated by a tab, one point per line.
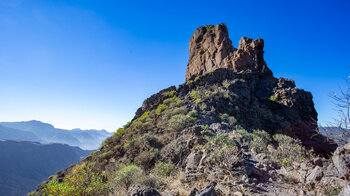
46	133
230	128
23	165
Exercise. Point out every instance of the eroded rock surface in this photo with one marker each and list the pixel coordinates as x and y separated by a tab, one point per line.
211	48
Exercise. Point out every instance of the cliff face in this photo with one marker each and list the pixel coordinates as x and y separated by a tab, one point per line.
232	127
211	48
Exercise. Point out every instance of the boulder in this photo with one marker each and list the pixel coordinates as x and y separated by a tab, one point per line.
207	191
315	175
341	161
345	191
141	190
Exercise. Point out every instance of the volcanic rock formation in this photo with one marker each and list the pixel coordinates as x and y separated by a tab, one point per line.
231	128
211	48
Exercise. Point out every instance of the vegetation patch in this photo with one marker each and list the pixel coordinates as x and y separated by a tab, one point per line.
256	140
127	175
289	150
163	169
132	143
224	150
273	98
82	181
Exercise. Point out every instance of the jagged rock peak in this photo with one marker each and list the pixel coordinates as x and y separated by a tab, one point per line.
211	48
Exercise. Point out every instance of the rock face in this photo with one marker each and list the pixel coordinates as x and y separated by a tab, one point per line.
232	127
211	48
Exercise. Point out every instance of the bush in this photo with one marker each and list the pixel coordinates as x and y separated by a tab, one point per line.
196	78
224	151
195	96
160	109
130	144
169	93
226	83
127	175
273	98
331	191
209	27
256	140
163	169
203	106
289	150
172	101
151	181
120	131
146	157
192	114
82	181
177	122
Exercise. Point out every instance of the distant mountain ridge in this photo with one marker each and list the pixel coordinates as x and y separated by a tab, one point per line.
23	164
37	131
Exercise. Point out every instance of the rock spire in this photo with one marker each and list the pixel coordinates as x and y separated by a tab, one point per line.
211	48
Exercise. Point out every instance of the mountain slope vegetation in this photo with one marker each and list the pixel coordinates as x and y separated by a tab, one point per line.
231	129
23	164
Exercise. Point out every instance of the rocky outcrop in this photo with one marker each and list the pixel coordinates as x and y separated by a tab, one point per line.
211	48
231	129
141	190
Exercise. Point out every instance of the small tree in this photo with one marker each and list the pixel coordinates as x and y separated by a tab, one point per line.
339	129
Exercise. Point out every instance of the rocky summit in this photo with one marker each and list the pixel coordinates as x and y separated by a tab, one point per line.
231	129
211	48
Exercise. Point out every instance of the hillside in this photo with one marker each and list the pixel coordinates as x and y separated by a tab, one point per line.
231	129
46	133
23	165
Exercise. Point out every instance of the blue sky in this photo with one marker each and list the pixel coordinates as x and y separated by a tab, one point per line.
90	64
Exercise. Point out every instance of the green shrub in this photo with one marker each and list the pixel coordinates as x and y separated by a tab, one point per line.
120	131
82	181
163	169
256	140
195	96
130	144
331	191
226	83
160	109
146	157
127	125
127	175
196	78
205	127
273	98
209	27
224	93
203	106
289	150
224	150
172	101
150	181
169	93
177	122
231	120
192	114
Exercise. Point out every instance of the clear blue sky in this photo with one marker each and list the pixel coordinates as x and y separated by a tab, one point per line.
90	64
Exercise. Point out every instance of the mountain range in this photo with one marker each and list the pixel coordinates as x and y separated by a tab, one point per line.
37	131
23	164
